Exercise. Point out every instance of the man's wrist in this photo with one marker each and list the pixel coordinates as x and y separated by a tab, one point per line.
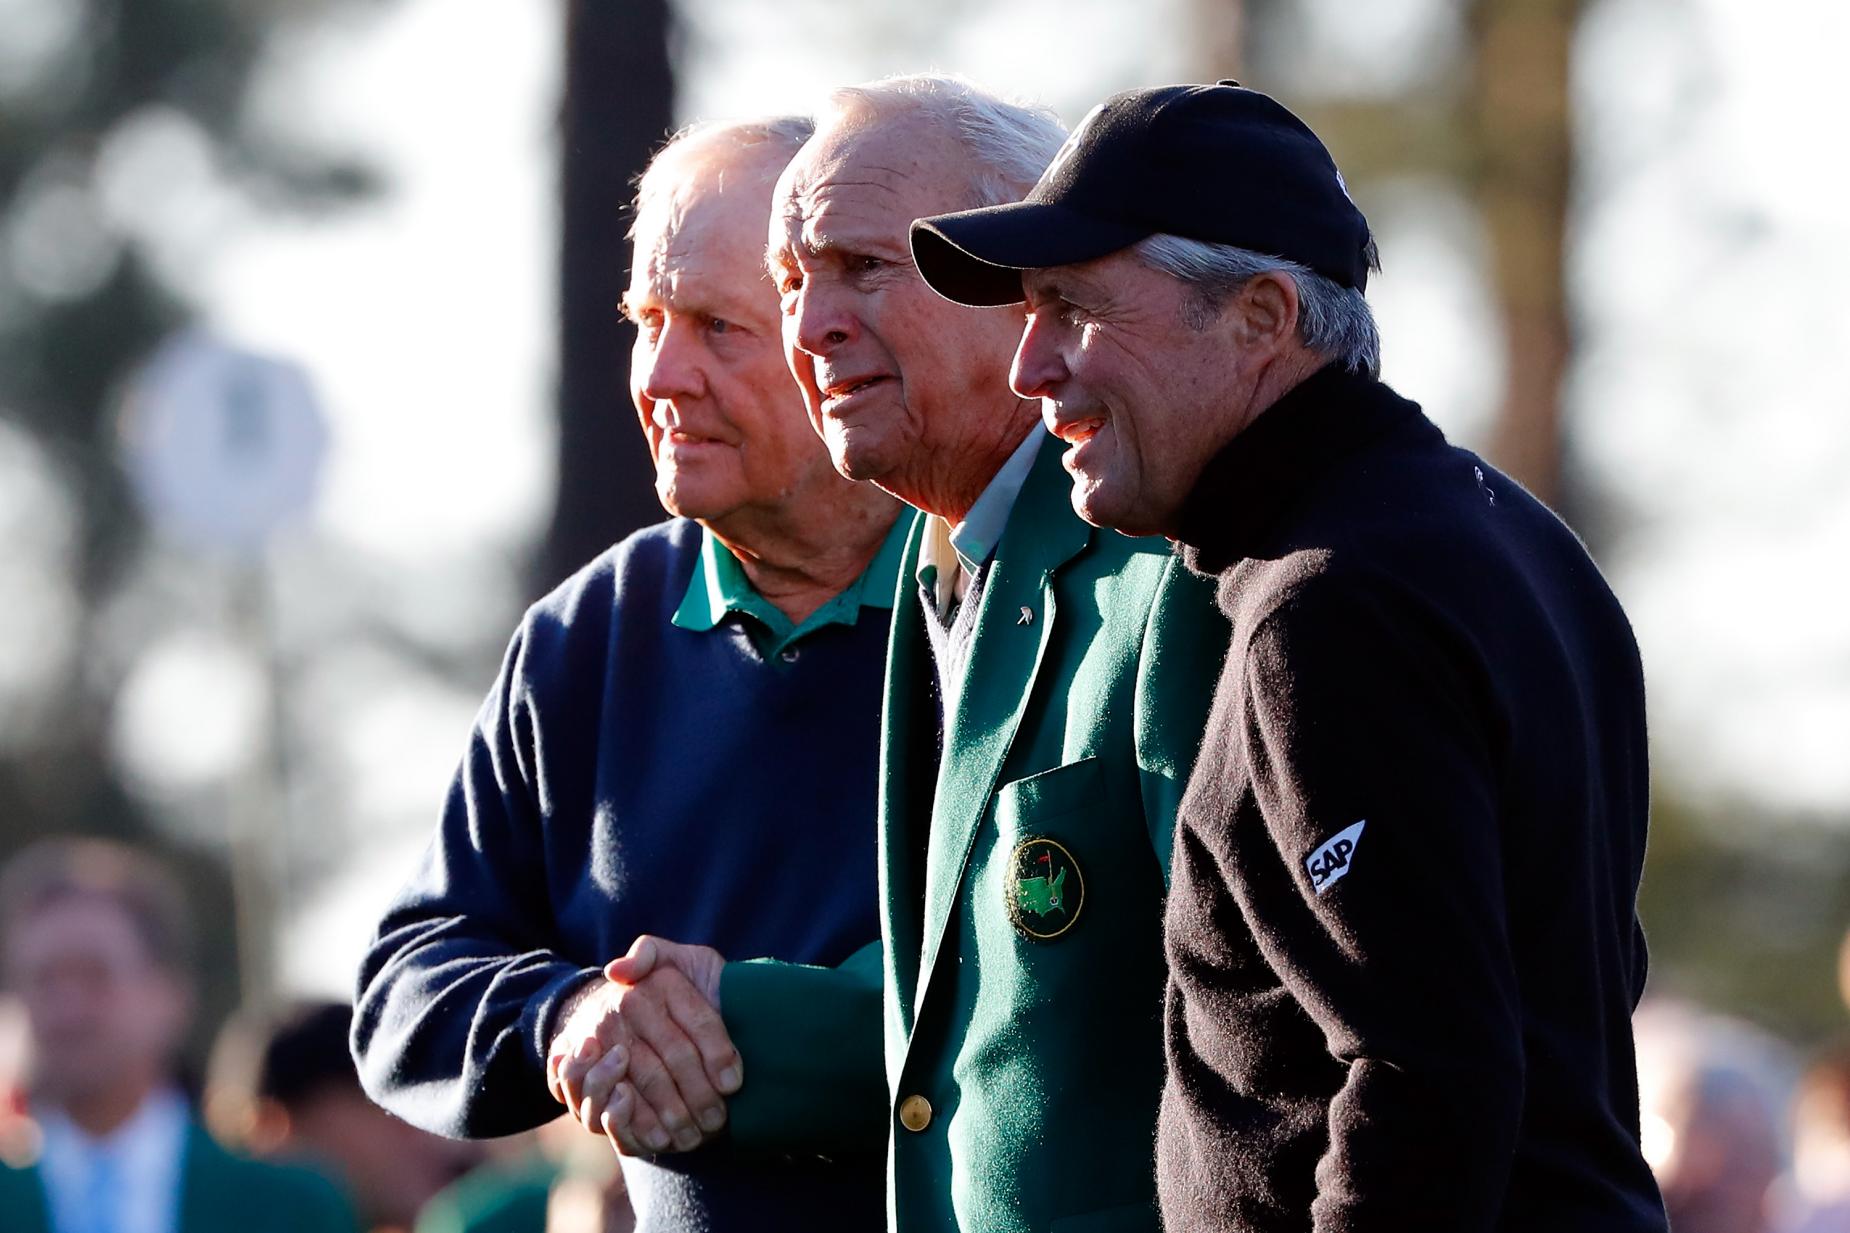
567	1006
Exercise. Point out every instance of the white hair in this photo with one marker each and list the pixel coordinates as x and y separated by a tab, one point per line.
784	134
1333	320
1010	142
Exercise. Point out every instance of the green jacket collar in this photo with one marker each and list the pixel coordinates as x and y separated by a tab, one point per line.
207	1174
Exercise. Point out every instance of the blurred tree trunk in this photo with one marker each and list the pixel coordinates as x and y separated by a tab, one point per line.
619	101
1523	139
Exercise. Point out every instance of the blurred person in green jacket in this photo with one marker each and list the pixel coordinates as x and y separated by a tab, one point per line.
95	944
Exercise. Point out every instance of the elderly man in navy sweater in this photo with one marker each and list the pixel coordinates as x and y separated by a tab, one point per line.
681	742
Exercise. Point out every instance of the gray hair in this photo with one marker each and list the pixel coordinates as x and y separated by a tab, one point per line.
782	133
1333	320
1010	142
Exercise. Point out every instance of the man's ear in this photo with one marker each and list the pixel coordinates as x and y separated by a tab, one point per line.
270	1127
1264	313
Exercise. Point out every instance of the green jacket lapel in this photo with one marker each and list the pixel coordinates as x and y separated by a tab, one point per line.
23	1205
1042	534
203	1164
26	1210
908	747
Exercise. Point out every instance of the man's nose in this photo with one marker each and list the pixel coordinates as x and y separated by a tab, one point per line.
669	366
1038	369
822	319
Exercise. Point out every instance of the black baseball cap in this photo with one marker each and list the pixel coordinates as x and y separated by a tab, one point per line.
1218	163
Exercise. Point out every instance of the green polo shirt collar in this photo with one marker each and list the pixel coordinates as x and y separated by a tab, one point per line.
719	586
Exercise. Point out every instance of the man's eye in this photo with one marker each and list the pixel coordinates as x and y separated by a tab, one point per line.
863	264
719	325
787	289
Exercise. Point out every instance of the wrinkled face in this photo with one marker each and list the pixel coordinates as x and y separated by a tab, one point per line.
725	424
897	380
1140	395
99	1012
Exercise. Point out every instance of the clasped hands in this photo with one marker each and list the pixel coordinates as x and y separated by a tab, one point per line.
642	1056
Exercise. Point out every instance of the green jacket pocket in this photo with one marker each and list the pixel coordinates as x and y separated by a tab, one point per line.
1025	804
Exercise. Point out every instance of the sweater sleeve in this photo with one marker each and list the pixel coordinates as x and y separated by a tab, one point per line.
459	988
810	1037
1367	744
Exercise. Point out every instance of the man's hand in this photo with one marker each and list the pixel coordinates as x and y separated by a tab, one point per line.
643	1056
699	964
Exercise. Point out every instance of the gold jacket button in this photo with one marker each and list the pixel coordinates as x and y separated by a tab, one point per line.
915	1113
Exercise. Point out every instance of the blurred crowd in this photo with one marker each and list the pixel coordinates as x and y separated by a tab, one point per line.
101	1123
1744	1136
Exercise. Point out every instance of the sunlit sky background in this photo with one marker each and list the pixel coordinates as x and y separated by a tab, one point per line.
1706	407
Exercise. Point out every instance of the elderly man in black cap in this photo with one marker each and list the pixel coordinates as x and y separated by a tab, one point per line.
1402	934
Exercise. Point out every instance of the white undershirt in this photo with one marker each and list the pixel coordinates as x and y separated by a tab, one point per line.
143	1164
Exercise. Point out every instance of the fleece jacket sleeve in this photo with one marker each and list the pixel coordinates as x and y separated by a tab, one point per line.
1368	741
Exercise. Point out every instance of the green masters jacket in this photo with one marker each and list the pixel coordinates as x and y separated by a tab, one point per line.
1022	877
219	1193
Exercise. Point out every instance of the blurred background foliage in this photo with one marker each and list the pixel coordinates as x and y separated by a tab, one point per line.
338	678
106	109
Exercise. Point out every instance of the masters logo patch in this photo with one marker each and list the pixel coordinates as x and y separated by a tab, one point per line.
1045	889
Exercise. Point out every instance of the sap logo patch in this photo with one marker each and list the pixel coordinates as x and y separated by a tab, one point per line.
1329	863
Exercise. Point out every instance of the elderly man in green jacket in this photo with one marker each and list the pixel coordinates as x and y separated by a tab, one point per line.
1047	684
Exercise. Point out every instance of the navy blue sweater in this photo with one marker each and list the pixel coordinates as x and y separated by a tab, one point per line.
628	776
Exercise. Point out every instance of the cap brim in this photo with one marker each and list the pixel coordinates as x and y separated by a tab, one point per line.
976	257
